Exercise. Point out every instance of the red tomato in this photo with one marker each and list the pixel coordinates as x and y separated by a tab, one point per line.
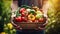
24	19
23	14
36	21
41	19
18	19
22	10
33	20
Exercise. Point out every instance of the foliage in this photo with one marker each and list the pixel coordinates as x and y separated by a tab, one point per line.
54	18
5	14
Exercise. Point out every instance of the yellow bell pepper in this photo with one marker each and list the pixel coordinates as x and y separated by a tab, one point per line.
31	17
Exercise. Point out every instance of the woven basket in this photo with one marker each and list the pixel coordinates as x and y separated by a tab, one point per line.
28	25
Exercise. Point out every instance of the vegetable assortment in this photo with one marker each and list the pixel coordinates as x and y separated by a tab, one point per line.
29	14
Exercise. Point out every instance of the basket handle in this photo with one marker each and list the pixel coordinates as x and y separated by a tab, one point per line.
18	27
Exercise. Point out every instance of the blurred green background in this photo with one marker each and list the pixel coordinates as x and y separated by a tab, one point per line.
53	26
